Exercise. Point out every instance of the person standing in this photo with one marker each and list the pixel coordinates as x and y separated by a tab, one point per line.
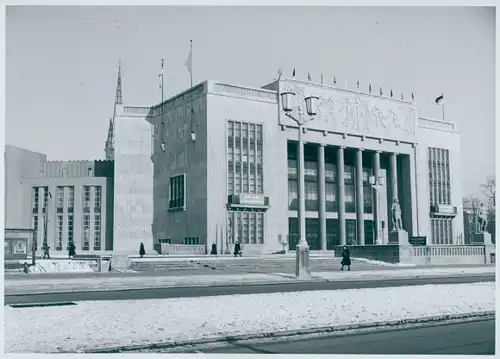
346	258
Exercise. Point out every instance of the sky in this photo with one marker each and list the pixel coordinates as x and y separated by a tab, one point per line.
62	63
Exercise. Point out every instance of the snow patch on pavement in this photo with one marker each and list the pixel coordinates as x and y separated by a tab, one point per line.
380	263
58	266
95	324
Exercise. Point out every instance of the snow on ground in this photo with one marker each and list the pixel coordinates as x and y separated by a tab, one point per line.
101	282
173	258
57	266
380	263
90	325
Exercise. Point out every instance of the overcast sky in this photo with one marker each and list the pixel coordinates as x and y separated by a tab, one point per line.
62	64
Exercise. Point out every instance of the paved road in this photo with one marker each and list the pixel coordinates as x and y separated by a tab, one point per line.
204	270
469	338
158	293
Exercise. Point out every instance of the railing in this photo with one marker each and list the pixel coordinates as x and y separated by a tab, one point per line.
434	251
186	249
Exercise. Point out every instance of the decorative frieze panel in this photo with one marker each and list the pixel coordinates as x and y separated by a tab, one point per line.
354	113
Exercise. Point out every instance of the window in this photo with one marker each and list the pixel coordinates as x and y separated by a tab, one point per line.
90	172
86	196
351	232
97	232
35	228
244	158
35	199
165	241
245	227
293	195
367	191
86	232
191	241
439	176
70	228
71	198
59	199
330	197
59	232
46	196
442	230
177	192
350	200
97	198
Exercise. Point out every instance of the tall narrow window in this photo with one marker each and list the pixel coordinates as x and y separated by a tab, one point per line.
35	199
70	228
86	232
59	199
35	230
350	200
46	196
97	198
177	192
86	196
71	199
59	232
293	203
97	232
260	227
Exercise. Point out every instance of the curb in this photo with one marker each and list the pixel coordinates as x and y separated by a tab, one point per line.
239	284
290	333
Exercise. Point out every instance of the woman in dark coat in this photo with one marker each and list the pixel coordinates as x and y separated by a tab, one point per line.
237	249
346	258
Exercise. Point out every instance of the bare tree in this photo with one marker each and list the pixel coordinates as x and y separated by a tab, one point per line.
489	190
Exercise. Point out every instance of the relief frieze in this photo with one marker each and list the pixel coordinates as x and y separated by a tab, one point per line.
356	113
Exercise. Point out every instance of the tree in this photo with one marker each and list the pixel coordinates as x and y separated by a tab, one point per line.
489	190
142	251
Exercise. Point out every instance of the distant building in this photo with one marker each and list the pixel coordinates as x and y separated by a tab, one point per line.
62	201
224	169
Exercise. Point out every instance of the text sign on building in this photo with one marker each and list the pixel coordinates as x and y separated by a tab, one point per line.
15	248
252	199
343	111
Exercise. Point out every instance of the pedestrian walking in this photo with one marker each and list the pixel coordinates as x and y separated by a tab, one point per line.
346	258
46	254
237	249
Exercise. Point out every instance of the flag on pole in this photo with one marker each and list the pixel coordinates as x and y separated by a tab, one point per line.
189	61
160	75
440	100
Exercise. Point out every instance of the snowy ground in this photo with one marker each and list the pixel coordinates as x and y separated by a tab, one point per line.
384	264
103	283
57	266
91	325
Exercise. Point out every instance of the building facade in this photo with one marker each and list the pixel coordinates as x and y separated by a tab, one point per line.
218	164
62	201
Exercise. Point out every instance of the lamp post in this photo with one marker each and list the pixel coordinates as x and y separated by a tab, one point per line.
302	249
377	184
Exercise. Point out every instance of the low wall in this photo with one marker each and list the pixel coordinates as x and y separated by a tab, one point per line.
425	255
183	249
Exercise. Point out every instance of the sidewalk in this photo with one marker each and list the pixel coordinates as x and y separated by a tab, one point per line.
98	283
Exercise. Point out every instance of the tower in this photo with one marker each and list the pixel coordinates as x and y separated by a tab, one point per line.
109	148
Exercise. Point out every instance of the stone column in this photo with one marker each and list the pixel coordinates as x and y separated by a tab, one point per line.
360	211
376	197
341	194
394	182
322	196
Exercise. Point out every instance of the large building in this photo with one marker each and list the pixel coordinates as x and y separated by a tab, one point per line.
219	162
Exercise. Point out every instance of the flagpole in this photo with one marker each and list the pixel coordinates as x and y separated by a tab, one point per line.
191	54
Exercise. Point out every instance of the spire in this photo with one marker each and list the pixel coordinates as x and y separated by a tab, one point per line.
109	149
118	96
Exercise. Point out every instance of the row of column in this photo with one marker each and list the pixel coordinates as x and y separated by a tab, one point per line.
359	192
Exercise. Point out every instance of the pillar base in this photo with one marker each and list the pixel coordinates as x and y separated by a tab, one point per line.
120	262
302	261
398	237
483	238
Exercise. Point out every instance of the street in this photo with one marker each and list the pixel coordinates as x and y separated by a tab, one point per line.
462	338
157	293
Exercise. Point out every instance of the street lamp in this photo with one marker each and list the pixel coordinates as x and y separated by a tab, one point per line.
377	184
302	249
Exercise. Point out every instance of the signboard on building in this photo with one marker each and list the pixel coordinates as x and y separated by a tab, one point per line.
418	241
15	248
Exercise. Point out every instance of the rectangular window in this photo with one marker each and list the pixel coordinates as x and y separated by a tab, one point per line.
351	232
253	227
439	176
245	223
86	196
330	197
97	232
311	196
86	232
97	198
260	227
46	195
350	196
35	228
70	228
59	232
177	192
192	241
59	199
35	199
165	241
367	191
71	198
